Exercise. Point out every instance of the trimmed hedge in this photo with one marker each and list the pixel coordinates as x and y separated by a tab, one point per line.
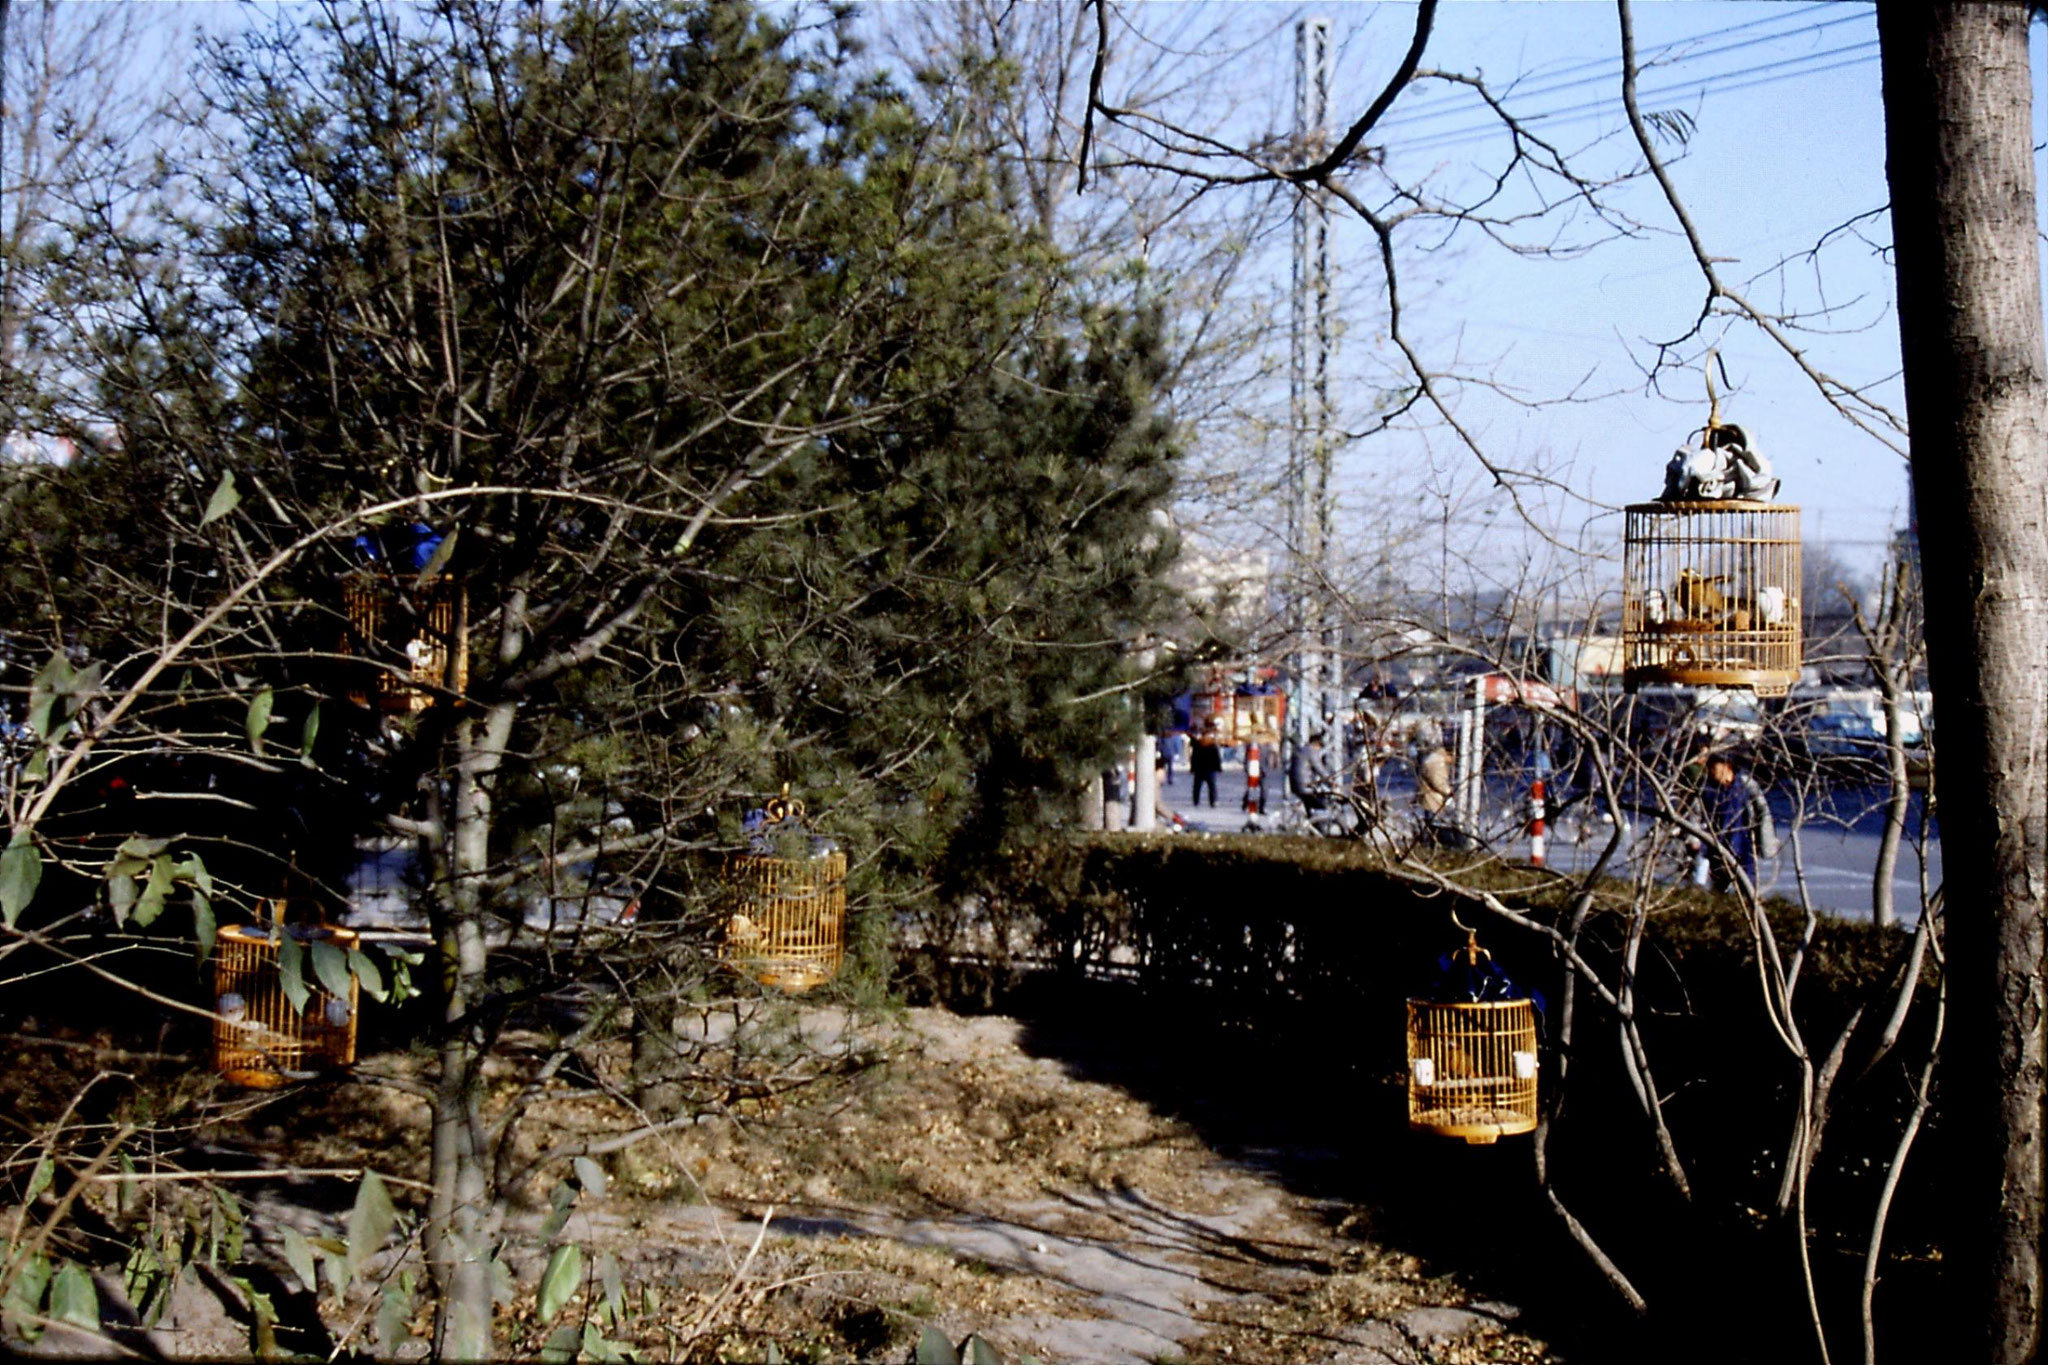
1317	943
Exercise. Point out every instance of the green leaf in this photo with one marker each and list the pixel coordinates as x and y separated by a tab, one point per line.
141	850
21	869
140	1273
330	964
291	970
773	1355
258	719
614	1286
590	1176
73	1298
364	968
442	553
127	1195
562	1197
562	1345
560	1281
232	1222
310	734
121	895
394	1318
25	1295
204	928
369	1222
56	677
39	1180
977	1351
596	1348
298	1253
151	903
224	500
934	1348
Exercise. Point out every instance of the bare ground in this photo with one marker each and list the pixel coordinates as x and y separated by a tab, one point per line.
973	1181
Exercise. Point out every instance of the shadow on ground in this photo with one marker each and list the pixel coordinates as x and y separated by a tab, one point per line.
1298	1103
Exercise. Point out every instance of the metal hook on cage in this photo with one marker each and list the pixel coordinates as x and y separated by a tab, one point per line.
1471	952
783	807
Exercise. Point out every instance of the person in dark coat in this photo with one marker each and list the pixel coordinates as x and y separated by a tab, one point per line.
1739	813
1204	762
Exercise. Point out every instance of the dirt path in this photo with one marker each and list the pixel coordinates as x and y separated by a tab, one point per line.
1042	1183
974	1187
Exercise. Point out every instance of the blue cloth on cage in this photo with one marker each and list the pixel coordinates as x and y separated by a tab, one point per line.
409	547
1460	980
762	834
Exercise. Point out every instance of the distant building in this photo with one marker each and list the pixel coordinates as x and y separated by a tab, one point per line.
29	447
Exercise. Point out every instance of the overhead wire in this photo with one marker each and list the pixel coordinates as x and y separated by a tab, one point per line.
1605	69
1723	82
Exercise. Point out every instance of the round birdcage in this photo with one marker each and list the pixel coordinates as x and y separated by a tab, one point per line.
416	635
259	1038
1710	595
786	926
1472	1068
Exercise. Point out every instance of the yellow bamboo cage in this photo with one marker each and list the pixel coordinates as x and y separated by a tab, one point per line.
1710	595
787	926
259	1040
416	636
1472	1068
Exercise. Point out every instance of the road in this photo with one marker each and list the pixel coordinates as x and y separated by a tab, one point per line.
1837	846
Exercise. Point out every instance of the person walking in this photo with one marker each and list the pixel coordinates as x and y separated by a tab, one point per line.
1309	776
1433	789
1739	814
1205	762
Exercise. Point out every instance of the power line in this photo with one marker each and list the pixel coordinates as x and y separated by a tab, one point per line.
1724	82
1609	68
1613	63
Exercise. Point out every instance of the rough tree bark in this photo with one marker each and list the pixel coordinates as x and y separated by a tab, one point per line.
458	1224
1958	104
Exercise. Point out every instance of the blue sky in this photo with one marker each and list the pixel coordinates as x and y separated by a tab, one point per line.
1788	144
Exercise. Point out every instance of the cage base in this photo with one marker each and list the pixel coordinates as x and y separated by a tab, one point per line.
257	1078
1479	1127
793	976
1765	682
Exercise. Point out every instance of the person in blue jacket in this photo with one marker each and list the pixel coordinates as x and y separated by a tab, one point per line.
1738	812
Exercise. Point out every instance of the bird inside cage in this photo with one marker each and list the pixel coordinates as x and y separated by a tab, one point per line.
1700	598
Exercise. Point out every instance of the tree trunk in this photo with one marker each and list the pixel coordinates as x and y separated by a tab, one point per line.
1891	655
1958	103
459	1213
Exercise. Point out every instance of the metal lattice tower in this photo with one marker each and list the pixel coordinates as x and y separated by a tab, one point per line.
1317	666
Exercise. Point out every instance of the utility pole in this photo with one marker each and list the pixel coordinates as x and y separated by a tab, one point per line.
1317	667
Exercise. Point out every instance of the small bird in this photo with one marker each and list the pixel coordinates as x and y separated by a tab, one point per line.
1699	597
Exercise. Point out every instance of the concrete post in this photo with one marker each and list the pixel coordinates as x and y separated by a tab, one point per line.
1091	803
1145	801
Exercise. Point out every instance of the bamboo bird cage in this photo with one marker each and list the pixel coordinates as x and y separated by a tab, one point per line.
1711	595
259	1040
1472	1063
417	637
787	925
